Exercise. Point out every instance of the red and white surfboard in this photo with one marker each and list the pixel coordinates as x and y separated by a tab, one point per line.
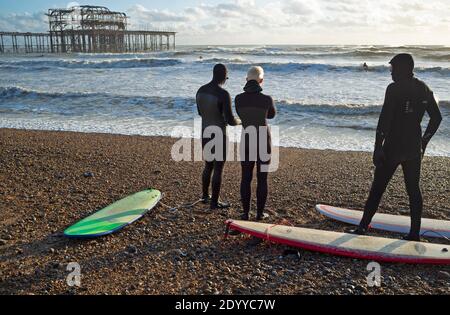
387	222
349	245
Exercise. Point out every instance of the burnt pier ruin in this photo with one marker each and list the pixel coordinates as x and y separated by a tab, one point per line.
87	29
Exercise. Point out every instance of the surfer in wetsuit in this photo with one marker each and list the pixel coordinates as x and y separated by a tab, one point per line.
399	140
214	106
254	108
365	67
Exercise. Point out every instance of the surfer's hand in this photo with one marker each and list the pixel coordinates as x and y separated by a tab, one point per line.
378	157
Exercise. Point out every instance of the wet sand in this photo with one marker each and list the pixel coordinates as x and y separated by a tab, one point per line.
43	190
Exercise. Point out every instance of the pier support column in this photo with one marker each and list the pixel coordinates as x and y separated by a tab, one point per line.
14	44
51	42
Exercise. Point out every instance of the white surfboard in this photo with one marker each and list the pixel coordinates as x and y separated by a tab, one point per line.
343	244
387	222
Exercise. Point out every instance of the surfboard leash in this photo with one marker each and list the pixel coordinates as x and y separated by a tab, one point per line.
437	233
184	206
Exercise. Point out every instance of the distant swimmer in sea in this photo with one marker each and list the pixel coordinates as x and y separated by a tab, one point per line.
399	140
365	67
214	106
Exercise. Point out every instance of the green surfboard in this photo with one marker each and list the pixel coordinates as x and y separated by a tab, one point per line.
115	216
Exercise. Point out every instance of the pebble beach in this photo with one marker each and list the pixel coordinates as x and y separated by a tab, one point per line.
51	179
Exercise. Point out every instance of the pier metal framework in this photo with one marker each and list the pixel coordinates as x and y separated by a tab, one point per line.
87	29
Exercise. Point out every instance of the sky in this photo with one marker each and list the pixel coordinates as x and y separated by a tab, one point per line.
254	22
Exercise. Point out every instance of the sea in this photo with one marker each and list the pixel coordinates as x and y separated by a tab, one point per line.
324	96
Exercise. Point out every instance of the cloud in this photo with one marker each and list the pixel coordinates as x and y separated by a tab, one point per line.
143	18
301	7
285	21
241	20
24	22
72	4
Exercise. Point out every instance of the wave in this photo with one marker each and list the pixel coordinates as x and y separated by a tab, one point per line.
232	63
339	109
21	102
101	101
19	92
91	64
15	92
129	55
444	104
223	60
292	67
385	52
329	109
436	53
168	59
356	127
104	101
8	93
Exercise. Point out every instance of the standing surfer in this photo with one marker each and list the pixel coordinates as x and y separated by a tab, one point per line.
214	106
399	140
254	108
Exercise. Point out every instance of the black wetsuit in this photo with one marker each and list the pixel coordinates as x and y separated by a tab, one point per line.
214	106
254	108
399	127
